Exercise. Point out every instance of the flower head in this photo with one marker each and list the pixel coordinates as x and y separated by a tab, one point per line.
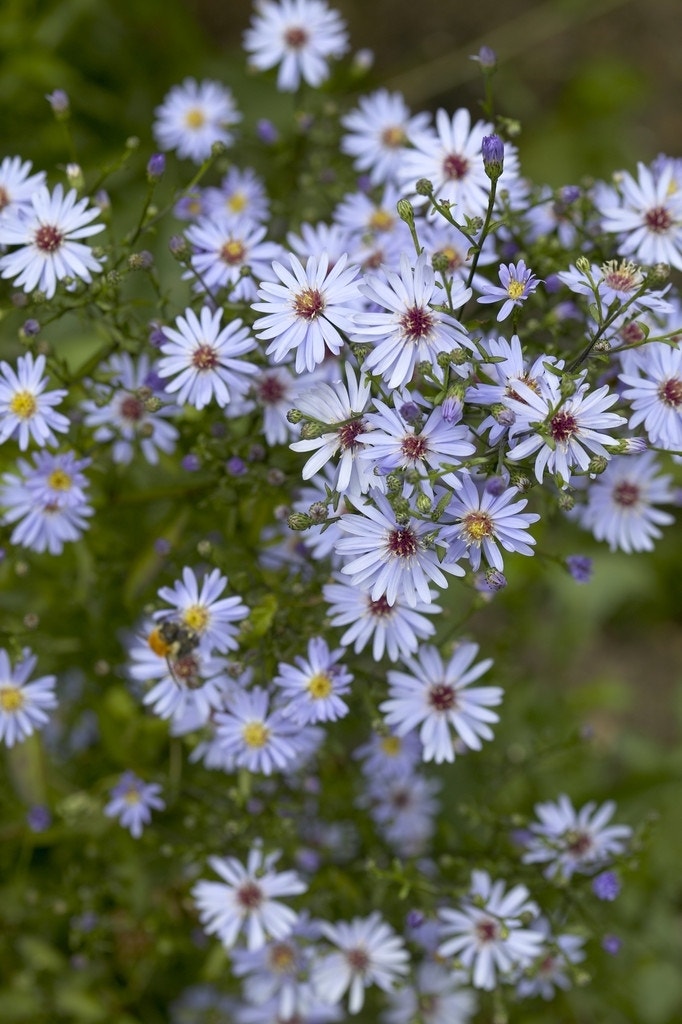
132	802
26	409
517	282
298	35
23	704
194	116
567	840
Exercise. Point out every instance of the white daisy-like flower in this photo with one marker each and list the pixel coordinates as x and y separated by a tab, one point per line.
391	559
407	331
307	310
394	629
656	395
204	361
193	116
17	184
450	157
203	611
132	802
258	738
47	234
378	132
314	686
369	953
438	996
552	968
26	409
648	218
223	249
621	503
248	899
484	522
567	840
241	194
438	699
23	704
341	407
300	36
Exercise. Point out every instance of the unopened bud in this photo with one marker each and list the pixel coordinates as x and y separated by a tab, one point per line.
156	165
495	579
59	101
294	416
423	504
582	264
310	431
598	464
492	151
405	210
486	58
424	187
74	176
318	512
299	521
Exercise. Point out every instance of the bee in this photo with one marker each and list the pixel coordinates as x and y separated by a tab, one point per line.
177	643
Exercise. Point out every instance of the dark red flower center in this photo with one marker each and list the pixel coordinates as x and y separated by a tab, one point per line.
348	432
270	389
204	358
295	37
403	542
578	843
48	238
563	426
416	323
358	959
4	198
626	494
442	697
670	392
132	408
658	220
487	930
308	304
380	608
455	167
249	896
413	446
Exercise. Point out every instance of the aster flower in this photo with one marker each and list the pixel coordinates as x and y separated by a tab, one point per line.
248	899
486	934
647	216
551	969
259	739
438	996
393	629
314	686
241	195
307	310
121	414
378	132
202	610
570	841
621	503
404	808
277	973
408	331
517	282
194	116
388	756
320	240
132	802
449	156
223	249
298	35
23	704
204	361
341	407
564	430
437	699
275	390
369	953
17	184
26	409
392	559
656	395
47	500
484	522
616	281
47	235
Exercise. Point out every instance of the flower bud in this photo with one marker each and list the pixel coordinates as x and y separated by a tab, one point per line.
318	512
299	521
310	431
486	58
423	504
59	101
156	165
424	187
405	210
294	415
495	579
74	176
597	465
492	151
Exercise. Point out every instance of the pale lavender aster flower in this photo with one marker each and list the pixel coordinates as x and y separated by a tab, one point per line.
223	249
436	698
258	738
202	610
377	133
314	686
656	395
438	996
194	116
241	194
517	283
132	802
204	361
17	185
248	899
647	216
23	704
26	409
298	35
552	967
47	234
570	841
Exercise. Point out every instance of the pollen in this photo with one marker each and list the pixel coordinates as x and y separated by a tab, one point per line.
204	358
476	526
670	392
381	220
11	699
232	253
515	289
319	686
403	542
348	433
417	323
196	617
658	220
309	304
255	734
380	608
237	202
23	405
454	259
195	118
455	167
563	426
442	697
281	958
414	446
393	137
391	745
59	480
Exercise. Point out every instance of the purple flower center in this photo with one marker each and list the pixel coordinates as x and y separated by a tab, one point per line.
670	392
487	930
658	220
626	494
132	408
308	304
417	323
204	358
413	446
358	959
348	433
455	166
270	389
403	542
442	697
380	608
563	426
48	238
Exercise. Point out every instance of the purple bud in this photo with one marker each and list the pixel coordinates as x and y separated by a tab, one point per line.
59	101
452	409
30	328
266	132
235	466
364	183
156	335
611	944
580	568
409	411
156	165
569	194
38	818
162	546
486	57
101	200
495	579
606	886
492	151
190	463
495	485
414	919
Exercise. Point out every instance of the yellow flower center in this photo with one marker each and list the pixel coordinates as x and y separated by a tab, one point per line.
319	686
11	699
23	405
132	797
196	617
237	202
255	734
381	220
195	118
515	289
391	745
59	480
